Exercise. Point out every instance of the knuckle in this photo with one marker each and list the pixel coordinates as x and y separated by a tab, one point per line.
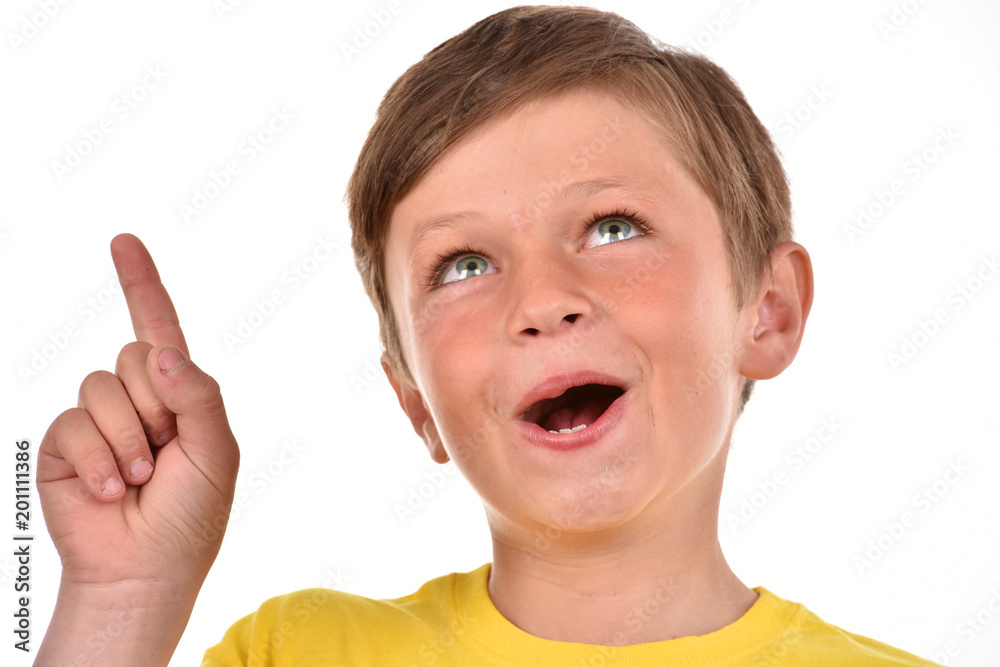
127	442
132	355
70	420
138	348
156	415
207	391
99	392
211	388
95	465
96	379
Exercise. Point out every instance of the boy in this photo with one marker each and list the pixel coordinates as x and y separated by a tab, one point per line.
579	246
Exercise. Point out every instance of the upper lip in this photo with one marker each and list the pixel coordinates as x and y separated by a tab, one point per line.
556	385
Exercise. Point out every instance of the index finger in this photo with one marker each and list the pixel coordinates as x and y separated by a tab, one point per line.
154	319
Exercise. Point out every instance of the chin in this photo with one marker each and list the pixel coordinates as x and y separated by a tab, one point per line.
596	506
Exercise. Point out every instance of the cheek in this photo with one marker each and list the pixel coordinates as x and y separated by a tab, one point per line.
436	328
452	338
684	322
452	346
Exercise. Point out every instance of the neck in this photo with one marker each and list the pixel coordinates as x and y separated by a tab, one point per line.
659	576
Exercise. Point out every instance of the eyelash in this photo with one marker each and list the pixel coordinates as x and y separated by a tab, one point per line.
443	261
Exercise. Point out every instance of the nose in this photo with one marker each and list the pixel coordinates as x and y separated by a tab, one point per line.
547	297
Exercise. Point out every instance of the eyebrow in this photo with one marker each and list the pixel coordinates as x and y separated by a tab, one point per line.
449	221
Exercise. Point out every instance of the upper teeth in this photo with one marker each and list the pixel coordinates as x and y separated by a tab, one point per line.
570	430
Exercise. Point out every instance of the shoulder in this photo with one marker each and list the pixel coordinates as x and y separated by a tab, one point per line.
807	639
321	623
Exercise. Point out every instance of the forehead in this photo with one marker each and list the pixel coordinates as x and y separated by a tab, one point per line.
571	144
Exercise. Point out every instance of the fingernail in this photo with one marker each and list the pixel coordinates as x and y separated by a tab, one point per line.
111	487
169	359
140	469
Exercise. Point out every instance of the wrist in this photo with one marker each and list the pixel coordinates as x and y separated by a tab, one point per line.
129	622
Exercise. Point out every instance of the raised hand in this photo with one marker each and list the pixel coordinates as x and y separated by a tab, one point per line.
136	484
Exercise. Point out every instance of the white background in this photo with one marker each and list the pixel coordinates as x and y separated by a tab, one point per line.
329	514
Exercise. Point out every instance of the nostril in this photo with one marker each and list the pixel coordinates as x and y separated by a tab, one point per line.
572	318
531	331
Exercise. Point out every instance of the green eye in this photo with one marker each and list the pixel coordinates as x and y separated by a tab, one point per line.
613	230
468	265
613	227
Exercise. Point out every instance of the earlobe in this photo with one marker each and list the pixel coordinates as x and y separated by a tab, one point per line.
780	313
420	418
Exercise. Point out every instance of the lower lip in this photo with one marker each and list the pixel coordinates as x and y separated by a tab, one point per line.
537	435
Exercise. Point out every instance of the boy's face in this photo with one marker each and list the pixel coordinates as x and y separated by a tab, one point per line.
644	316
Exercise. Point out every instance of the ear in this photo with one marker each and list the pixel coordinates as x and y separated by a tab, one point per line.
778	317
413	405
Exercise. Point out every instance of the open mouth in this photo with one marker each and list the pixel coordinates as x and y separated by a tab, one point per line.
575	409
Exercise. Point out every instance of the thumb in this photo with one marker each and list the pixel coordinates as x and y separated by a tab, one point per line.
203	431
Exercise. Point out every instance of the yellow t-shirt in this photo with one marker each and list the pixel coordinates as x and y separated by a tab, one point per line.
451	621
